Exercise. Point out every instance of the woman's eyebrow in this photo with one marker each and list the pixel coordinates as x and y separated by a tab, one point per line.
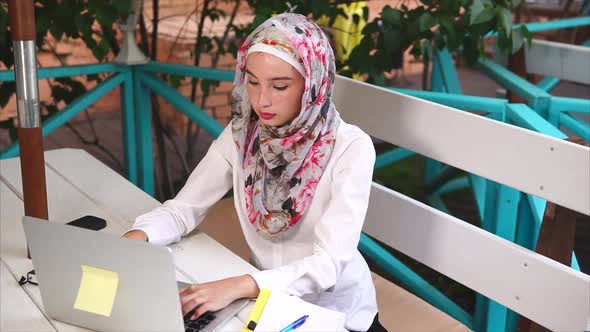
250	73
281	78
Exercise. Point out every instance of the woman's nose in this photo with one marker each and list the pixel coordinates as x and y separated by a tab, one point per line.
264	99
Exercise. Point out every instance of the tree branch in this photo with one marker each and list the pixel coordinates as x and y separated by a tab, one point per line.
197	54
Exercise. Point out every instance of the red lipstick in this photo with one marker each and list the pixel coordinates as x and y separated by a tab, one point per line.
267	116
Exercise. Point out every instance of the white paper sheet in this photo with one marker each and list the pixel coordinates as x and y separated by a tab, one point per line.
281	310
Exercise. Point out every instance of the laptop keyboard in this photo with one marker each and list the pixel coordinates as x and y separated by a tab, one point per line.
198	324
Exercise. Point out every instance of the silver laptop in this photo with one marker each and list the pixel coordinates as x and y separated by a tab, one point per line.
146	298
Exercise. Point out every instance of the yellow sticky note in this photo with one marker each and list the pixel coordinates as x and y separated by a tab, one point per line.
97	292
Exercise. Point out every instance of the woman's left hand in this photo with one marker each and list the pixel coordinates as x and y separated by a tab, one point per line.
216	295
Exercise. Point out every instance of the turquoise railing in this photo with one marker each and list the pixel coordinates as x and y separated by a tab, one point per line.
120	76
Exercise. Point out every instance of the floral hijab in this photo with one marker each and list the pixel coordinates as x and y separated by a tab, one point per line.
283	165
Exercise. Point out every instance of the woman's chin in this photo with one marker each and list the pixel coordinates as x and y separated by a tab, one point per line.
274	122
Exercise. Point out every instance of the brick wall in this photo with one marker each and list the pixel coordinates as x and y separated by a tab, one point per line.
217	103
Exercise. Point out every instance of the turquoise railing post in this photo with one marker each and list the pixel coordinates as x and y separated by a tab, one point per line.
143	127
528	227
128	126
508	201
499	217
553	116
482	318
449	75
507	204
478	186
526	233
437	82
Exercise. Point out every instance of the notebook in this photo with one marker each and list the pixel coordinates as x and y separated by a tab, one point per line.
281	310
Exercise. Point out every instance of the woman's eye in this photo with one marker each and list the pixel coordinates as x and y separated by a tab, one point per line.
281	88
252	83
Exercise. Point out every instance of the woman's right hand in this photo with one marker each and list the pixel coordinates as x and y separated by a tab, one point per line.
136	234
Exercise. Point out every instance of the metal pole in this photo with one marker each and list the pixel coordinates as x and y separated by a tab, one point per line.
30	134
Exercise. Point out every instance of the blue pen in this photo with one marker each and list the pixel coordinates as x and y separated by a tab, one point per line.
295	324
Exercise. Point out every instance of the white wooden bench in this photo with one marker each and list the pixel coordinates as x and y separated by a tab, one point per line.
534	286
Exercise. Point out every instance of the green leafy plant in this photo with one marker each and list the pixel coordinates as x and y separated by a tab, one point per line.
458	25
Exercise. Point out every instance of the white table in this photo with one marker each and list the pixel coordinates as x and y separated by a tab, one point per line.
78	185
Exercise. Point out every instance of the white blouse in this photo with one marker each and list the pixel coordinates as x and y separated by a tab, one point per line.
317	259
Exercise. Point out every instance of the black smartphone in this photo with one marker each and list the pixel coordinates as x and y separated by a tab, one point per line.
89	222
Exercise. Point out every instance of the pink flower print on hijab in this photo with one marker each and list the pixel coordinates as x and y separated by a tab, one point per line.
283	165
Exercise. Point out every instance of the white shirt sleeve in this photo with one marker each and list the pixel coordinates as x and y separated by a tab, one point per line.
209	181
337	233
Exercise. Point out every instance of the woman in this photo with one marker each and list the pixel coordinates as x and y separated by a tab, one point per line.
301	179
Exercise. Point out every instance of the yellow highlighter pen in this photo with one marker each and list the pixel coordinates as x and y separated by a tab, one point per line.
257	310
